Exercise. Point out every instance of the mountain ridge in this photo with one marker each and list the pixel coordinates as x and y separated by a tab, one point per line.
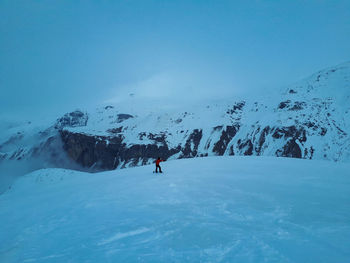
309	119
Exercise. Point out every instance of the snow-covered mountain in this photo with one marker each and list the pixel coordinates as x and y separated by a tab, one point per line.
215	209
309	119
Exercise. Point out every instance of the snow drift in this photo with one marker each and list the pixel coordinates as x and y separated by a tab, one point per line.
213	209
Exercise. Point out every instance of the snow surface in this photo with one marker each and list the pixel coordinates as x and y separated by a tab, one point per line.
214	209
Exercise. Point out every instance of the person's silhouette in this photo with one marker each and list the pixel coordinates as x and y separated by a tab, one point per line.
158	166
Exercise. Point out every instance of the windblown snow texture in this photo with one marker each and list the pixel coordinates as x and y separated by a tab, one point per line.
309	119
213	209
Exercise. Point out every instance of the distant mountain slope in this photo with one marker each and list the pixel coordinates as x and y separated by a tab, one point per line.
309	119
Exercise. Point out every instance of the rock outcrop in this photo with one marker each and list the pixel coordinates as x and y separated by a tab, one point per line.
306	120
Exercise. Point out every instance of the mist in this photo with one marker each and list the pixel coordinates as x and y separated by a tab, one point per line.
61	55
11	170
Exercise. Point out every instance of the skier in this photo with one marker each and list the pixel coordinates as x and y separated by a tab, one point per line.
158	166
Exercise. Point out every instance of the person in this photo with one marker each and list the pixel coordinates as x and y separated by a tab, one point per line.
158	166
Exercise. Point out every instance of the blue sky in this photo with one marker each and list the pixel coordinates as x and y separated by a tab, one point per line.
56	56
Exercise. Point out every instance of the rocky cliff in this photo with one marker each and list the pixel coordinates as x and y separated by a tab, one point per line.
309	119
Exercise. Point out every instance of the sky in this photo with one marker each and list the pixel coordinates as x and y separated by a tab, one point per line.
56	56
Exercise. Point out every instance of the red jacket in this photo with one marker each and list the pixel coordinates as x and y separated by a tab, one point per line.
158	161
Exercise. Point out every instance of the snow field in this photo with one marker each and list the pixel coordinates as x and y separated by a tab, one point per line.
214	209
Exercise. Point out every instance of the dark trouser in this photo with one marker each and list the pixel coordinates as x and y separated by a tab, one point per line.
160	169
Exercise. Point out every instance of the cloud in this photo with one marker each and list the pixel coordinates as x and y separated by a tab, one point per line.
179	86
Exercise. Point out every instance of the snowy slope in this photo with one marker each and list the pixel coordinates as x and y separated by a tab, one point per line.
214	209
309	119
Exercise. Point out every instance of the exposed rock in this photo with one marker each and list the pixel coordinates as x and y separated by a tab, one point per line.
298	105
284	104
291	149
246	147
262	139
231	151
115	130
74	119
226	137
160	138
105	153
323	131
236	107
122	117
290	132
191	146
